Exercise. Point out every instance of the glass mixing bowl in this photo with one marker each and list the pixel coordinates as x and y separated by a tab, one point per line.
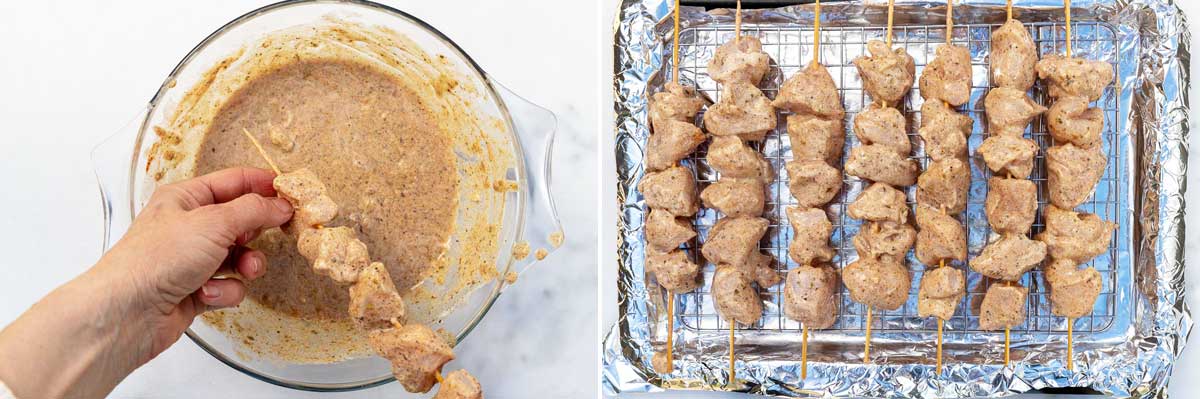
527	215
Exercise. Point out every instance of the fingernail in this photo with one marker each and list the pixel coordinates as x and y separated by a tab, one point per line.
210	292
283	205
256	266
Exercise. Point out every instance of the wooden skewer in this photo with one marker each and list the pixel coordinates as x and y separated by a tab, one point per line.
675	48
804	352
817	32
891	6
261	151
732	370
1067	8
1008	8
671	330
737	23
1006	345
867	343
949	20
1070	344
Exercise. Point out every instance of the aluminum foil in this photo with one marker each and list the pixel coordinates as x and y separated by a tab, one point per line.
1126	349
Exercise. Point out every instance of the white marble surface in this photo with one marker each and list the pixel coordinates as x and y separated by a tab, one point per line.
74	72
1185	380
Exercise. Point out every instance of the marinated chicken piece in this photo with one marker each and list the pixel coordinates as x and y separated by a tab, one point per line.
733	158
743	111
416	352
1003	306
1008	155
879	203
810	239
335	252
811	92
813	138
1073	173
1009	257
675	103
739	60
880	164
736	197
940	292
672	190
660	363
948	76
884	240
940	237
673	270
1009	111
1013	56
761	268
813	183
665	232
672	141
944	131
887	74
459	385
1075	236
884	127
944	185
1071	121
734	296
313	207
374	302
1073	291
1011	205
734	240
878	284
1075	77
810	294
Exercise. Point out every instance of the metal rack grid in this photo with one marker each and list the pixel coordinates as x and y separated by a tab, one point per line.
790	47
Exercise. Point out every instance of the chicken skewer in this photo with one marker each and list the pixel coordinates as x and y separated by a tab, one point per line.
816	133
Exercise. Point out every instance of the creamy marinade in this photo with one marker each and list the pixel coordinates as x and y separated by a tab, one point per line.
394	134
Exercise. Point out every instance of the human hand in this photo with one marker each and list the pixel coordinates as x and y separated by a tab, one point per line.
141	296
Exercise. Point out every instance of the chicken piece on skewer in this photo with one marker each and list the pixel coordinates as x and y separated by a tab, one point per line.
1071	121
941	237
1003	307
1075	236
1009	111
665	232
733	158
813	138
1009	257
811	92
1013	56
881	164
944	185
813	183
809	295
306	192
878	203
459	385
676	102
1073	291
335	252
672	141
735	197
1067	77
673	270
940	291
734	296
672	190
733	240
374	302
882	126
877	283
1073	173
884	240
948	76
944	131
416	352
743	111
887	74
810	240
1011	205
1009	155
739	60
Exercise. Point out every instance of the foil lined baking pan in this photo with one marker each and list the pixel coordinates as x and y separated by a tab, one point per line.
1125	348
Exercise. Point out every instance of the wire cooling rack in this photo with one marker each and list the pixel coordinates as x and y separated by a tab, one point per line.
790	48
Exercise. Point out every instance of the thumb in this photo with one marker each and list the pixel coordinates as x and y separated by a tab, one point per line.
246	214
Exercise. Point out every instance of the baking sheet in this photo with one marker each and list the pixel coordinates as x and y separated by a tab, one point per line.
1125	347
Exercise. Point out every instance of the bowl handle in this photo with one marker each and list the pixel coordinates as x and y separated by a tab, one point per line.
112	161
535	127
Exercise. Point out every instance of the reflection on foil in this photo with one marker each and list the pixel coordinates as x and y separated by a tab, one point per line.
1126	348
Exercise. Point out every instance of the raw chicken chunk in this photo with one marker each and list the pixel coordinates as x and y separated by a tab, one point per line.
948	76
1081	77
1013	56
673	270
313	207
813	183
1003	307
1009	257
882	126
814	139
739	60
940	292
1073	291
335	252
880	164
882	285
761	268
733	158
810	294
944	131
1009	155
944	185
1011	205
1009	111
459	385
1075	236
735	197
374	302
672	190
743	111
940	237
665	232
416	352
733	240
675	103
735	297
811	92
672	141
880	202
1073	174
1071	121
887	74
884	241
810	240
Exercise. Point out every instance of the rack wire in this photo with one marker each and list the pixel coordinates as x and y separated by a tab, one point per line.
790	47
